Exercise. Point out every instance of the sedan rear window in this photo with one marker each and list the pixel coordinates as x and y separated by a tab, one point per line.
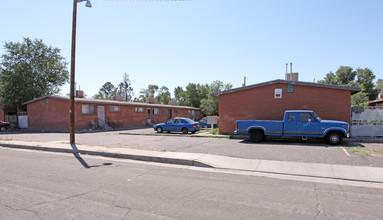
189	120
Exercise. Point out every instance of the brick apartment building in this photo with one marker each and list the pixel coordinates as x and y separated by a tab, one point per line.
269	100
52	113
378	102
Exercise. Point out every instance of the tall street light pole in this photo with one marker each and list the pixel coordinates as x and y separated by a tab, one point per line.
72	74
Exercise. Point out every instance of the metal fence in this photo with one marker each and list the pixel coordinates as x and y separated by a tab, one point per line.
367	122
12	119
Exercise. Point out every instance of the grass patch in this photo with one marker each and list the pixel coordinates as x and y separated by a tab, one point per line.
208	131
366	152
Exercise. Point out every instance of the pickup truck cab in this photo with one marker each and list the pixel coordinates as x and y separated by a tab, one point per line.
298	123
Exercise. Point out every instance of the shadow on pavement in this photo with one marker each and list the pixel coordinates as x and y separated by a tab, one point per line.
82	161
292	141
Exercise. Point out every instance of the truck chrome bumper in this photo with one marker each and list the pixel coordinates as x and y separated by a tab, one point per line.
235	132
348	135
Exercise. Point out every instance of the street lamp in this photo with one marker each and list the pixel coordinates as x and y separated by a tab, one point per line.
72	73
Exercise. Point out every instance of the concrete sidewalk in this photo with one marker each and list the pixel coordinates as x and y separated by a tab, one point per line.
330	171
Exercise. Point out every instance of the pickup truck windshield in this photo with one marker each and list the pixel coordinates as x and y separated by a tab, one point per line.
319	118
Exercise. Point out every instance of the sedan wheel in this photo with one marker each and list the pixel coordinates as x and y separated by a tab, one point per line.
185	130
3	129
159	130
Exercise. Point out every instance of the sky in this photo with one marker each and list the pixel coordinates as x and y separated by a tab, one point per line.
174	43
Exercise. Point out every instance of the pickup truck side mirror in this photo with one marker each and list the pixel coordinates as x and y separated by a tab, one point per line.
309	120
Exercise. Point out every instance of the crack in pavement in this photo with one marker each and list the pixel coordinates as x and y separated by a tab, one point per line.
115	197
127	213
24	209
59	200
319	204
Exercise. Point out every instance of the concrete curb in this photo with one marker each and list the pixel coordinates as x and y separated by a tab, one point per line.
327	171
149	158
189	135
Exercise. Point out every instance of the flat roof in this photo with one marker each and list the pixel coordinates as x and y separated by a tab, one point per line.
353	89
376	101
298	111
110	102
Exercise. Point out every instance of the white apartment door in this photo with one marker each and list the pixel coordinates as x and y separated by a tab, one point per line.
101	116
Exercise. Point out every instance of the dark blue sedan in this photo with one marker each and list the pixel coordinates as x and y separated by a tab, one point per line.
204	124
183	125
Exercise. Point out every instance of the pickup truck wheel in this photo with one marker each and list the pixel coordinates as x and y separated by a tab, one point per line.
257	136
159	130
334	138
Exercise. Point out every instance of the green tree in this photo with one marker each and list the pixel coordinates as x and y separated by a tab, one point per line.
363	78
210	105
345	75
195	93
198	95
329	79
152	89
148	93
125	89
379	85
179	96
359	99
163	95
218	86
107	91
30	70
144	94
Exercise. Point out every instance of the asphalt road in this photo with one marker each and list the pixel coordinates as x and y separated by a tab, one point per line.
297	151
38	185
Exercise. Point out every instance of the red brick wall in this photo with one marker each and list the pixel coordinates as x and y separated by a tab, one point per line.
128	117
1	113
181	113
54	115
259	104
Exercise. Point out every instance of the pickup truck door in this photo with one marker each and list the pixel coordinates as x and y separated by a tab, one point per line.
290	124
308	125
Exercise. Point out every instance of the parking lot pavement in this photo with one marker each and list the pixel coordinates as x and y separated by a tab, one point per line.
360	154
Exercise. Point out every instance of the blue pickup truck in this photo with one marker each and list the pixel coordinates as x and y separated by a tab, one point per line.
300	123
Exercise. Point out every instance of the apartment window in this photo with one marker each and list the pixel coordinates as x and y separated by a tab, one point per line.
175	111
114	108
156	111
88	109
139	109
197	112
188	111
165	112
290	88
